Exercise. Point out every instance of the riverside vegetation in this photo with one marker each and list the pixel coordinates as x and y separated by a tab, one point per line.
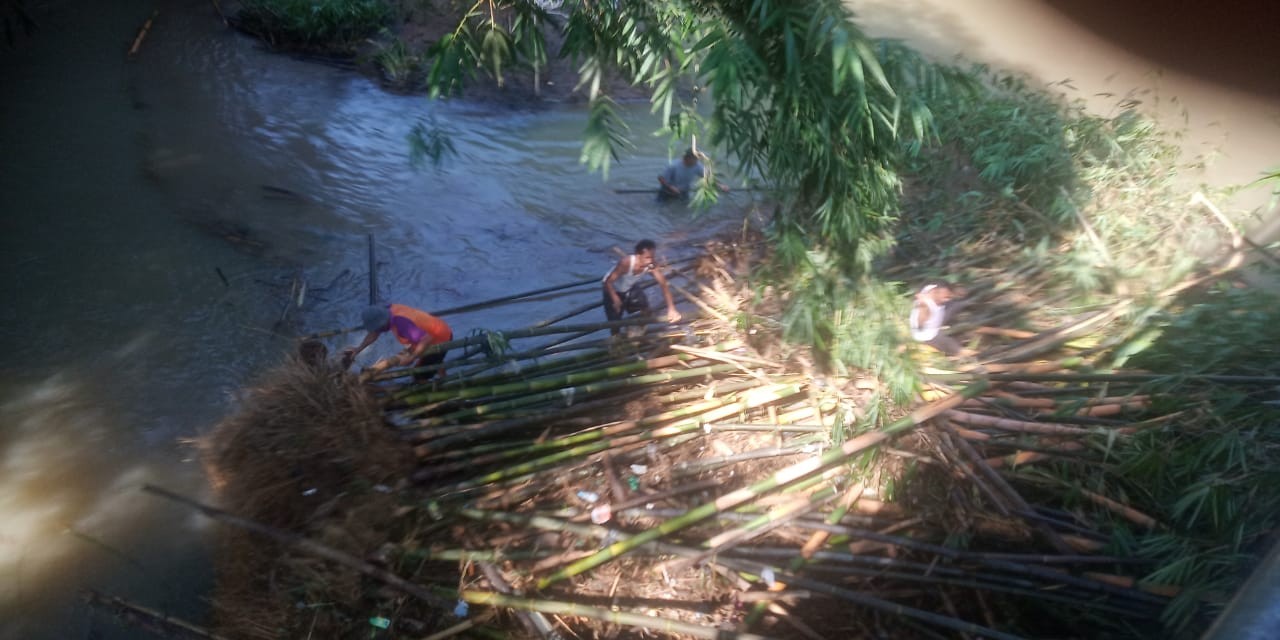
1107	466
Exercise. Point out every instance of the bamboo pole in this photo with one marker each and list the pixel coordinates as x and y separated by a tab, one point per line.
752	399
1111	377
1128	513
373	273
142	33
551	382
147	617
1018	426
568	394
659	624
778	479
584	437
513	298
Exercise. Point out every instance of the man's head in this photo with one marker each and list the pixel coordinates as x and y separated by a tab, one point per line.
645	249
375	319
944	292
690	158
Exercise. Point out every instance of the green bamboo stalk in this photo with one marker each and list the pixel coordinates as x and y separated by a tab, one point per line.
675	398
478	456
779	479
769	427
582	391
550	382
750	400
463	378
530	332
544	383
473	555
461	434
662	625
446	439
775	517
1111	377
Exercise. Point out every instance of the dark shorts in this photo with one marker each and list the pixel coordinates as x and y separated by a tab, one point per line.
635	300
426	361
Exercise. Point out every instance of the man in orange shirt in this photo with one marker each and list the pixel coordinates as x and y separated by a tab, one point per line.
414	328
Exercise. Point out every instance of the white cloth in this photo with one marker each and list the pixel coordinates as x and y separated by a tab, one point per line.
933	324
628	279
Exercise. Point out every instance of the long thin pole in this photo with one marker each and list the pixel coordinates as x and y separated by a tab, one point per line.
373	274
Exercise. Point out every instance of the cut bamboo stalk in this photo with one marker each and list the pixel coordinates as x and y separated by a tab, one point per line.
1129	513
1020	458
570	394
1017	426
659	624
819	538
1010	494
1165	590
779	479
1004	332
751	399
542	383
580	438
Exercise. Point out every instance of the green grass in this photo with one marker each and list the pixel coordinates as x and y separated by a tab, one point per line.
334	26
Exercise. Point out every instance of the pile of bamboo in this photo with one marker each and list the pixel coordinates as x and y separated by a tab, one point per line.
706	486
680	481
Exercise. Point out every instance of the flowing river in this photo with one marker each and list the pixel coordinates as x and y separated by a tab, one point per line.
160	212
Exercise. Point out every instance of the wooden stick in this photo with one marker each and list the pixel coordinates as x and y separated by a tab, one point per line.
373	273
1128	513
142	33
1017	426
147	617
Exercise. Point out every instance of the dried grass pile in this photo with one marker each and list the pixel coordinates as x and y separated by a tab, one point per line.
307	453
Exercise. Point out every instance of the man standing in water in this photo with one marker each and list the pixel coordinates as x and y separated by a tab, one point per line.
414	328
622	291
682	176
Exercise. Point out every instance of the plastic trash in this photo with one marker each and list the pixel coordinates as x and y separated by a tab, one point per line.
589	496
461	610
639	469
380	622
310	492
601	514
768	577
633	482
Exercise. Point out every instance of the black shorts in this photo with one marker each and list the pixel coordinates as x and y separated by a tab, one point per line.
635	300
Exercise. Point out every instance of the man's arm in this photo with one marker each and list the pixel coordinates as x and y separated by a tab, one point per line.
349	354
672	314
666	178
